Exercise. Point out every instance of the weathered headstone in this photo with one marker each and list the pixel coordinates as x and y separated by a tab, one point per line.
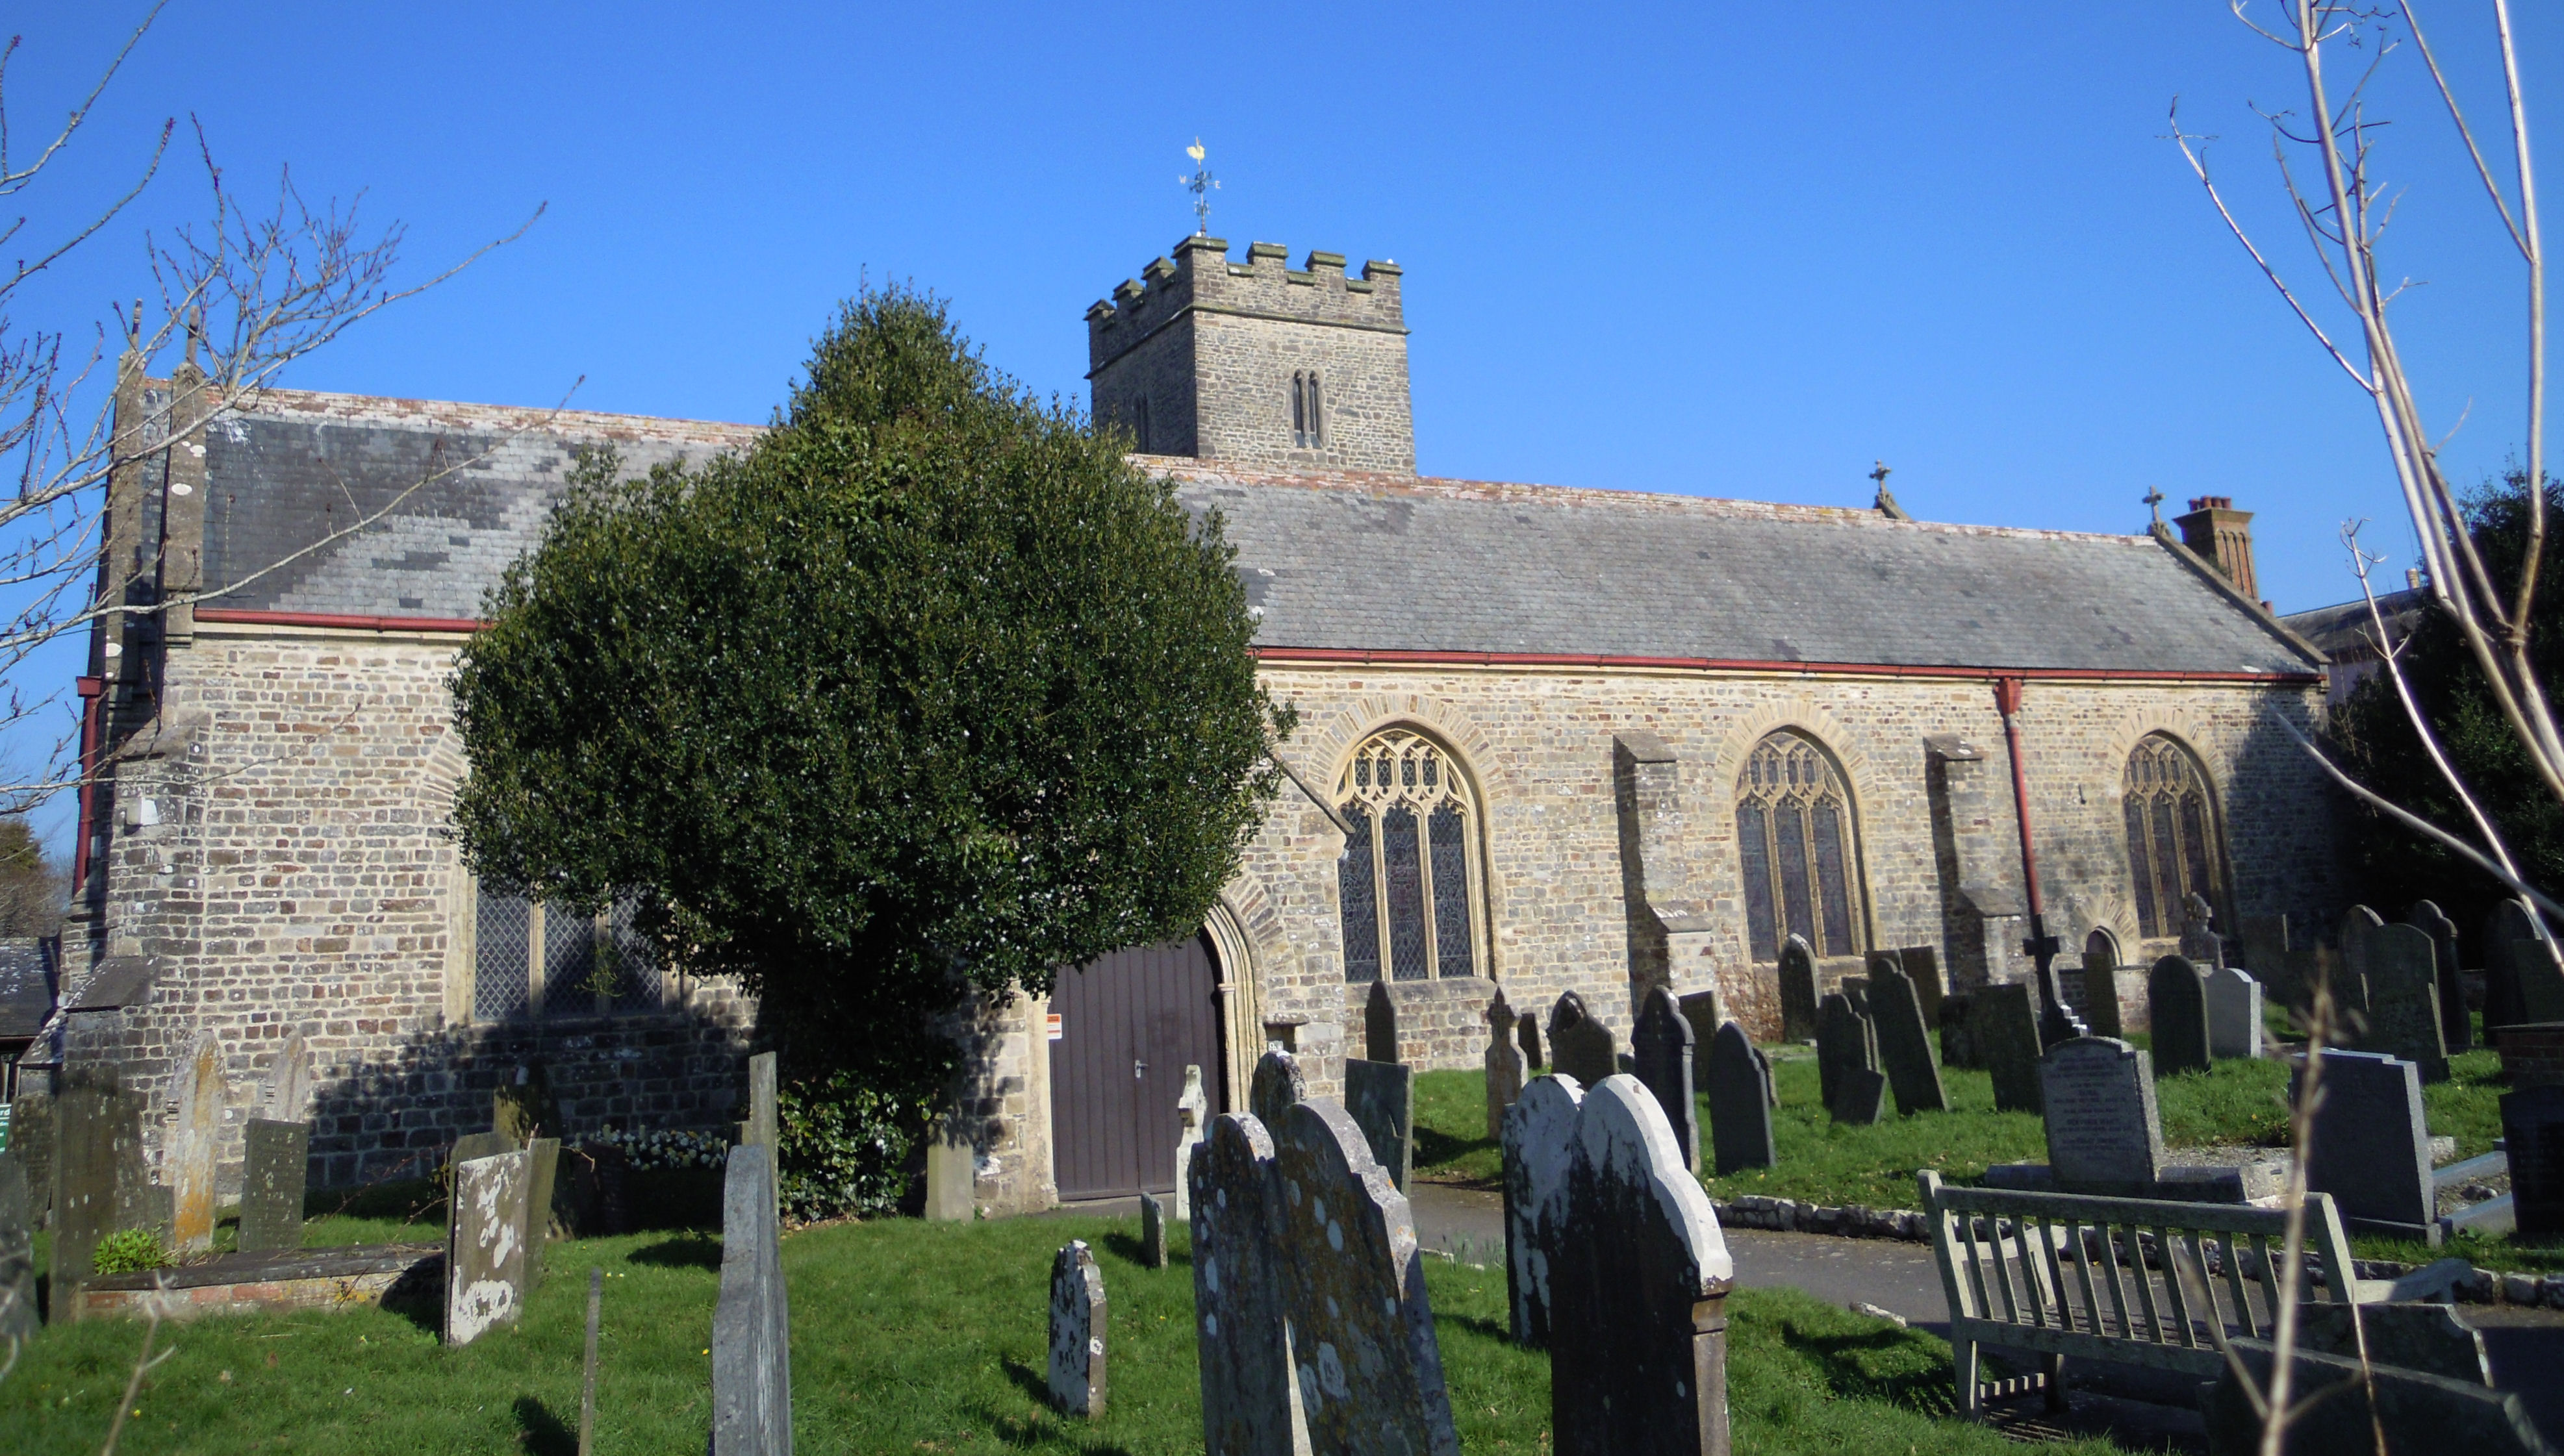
2532	1131
1381	1097
1661	1045
2541	982
1077	1330
2371	1149
1152	1227
476	1145
952	1169
31	1140
1536	1132
2200	946
192	1141
760	1128
1798	989
2504	929
542	1171
2177	1008
2100	973
485	1248
1504	1059
1362	1328
1740	1104
1380	1025
1638	1332
2005	1028
1958	1046
18	1319
1192	1113
1277	1084
2457	1028
523	1107
1848	1058
1923	967
2349	979
1579	1045
97	1174
2103	1133
752	1319
1528	1031
1904	1048
275	1161
2233	1013
285	1090
2265	945
1701	1009
2404	999
1249	1404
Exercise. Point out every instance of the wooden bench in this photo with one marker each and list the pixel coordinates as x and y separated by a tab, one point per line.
2129	1280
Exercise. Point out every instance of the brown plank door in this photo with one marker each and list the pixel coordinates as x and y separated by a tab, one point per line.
1130	1023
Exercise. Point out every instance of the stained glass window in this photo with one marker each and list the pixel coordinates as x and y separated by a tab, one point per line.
2173	850
1406	884
1794	835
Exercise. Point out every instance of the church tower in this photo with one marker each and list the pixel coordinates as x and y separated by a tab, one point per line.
1258	364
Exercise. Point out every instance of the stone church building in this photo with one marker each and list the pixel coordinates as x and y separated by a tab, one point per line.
1550	738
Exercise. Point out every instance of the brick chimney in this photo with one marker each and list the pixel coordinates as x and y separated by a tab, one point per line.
2221	536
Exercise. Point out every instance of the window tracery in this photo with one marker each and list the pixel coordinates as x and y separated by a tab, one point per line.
1794	833
2175	848
1406	882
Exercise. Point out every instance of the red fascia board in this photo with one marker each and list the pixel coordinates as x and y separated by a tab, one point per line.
1383	657
339	620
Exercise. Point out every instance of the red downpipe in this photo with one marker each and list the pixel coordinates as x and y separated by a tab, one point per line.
2055	1023
92	693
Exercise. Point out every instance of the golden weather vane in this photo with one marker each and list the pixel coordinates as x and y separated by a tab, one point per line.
1201	184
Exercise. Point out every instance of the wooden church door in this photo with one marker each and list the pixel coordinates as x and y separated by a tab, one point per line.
1129	1024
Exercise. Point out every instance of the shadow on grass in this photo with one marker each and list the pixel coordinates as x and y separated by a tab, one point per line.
694	1251
1434	1149
541	1432
1044	1427
1127	1246
1849	1362
1034	1383
418	1296
1501	1333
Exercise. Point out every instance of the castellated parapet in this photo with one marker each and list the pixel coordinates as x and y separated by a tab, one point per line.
1256	362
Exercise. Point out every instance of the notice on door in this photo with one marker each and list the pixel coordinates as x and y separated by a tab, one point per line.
1055	1032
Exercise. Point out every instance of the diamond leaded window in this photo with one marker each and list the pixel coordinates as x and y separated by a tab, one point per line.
2174	848
529	961
1794	833
1407	881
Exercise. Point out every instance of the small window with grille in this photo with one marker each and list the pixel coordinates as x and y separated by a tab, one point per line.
1407	881
531	962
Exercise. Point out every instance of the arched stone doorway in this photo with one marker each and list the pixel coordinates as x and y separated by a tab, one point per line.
1129	1024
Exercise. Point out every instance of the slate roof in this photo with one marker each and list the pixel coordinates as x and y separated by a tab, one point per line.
2346	634
27	985
1337	561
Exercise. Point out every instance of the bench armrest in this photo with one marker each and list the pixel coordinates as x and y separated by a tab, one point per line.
2433	1283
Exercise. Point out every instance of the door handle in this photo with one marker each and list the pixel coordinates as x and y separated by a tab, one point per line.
1139	1070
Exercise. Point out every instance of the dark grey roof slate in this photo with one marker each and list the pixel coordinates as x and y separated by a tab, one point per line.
2344	630
28	975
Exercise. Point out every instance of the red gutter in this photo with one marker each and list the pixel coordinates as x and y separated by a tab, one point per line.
339	620
91	691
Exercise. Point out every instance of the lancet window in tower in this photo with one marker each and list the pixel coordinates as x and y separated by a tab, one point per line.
1407	881
1794	833
1308	414
2174	848
1140	424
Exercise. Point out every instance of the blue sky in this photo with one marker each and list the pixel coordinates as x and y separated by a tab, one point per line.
1734	250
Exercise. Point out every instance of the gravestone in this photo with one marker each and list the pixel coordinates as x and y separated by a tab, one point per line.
98	1175
2100	975
1859	990
2371	1149
192	1143
1536	1132
1077	1330
760	1127
2233	1013
1904	1049
1504	1059
2005	1028
1192	1110
1528	1030
2353	1404
1360	1326
2541	983
1579	1043
2200	946
1639	1333
1380	1025
1798	990
1957	1047
1277	1084
18	1319
2349	979
2507	926
274	1160
31	1138
1923	966
1847	1062
1740	1104
543	1171
2457	1028
484	1246
1381	1097
476	1145
1661	1045
2532	1131
523	1107
1249	1404
1152	1228
1701	1009
285	1091
752	1319
2265	945
2103	1133
2404	999
2177	1008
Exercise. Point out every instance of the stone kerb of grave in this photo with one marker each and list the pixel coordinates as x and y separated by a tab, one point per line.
2457	1028
2532	1127
17	1253
1536	1138
275	1161
1381	1097
2177	1005
1637	1335
485	1252
2404	999
1853	1089
1579	1045
2234	1014
1662	1051
2371	1147
752	1319
1360	1326
1905	1046
1798	989
1740	1103
1505	1064
1077	1330
2104	1134
2005	1028
1192	1108
1249	1404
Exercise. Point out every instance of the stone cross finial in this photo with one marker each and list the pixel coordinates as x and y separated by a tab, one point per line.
2154	498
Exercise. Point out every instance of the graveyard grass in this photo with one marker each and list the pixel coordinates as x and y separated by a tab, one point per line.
908	1337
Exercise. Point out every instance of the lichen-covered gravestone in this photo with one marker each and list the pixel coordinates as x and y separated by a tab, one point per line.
2233	1013
1848	1064
752	1319
285	1092
1638	1321
1362	1328
2404	999
1251	1407
1661	1046
275	1161
1152	1227
17	1254
2177	1005
1192	1111
200	1094
1504	1059
1537	1131
1905	1046
485	1247
2371	1149
1740	1104
1380	1025
1701	1009
2103	1133
2005	1029
97	1173
1077	1330
1381	1095
1579	1045
2457	1028
1798	989
1277	1084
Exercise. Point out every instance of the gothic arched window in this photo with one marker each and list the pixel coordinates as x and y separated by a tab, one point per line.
2174	848
1406	882
1793	832
1140	424
1308	419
